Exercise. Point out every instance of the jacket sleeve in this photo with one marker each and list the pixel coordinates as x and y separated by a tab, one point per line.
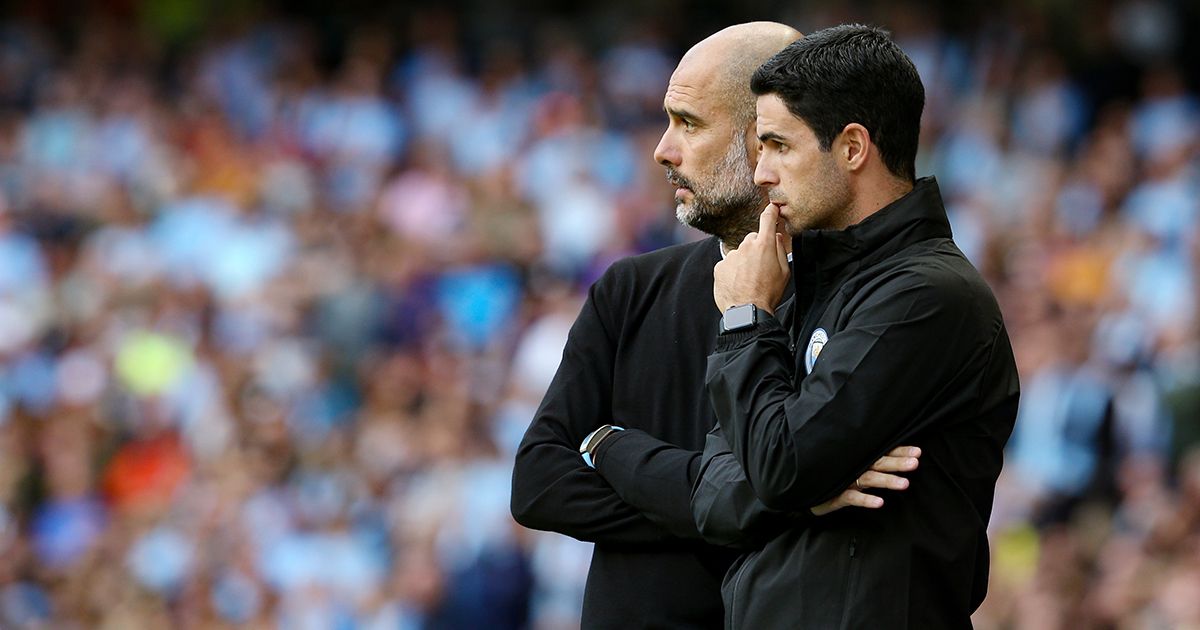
653	476
726	510
875	385
552	488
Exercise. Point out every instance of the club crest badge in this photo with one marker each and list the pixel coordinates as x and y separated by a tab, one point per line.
815	344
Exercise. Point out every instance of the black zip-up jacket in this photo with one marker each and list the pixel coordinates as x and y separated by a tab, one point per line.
906	345
635	357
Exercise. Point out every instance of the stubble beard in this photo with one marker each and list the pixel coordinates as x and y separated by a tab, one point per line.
728	204
828	203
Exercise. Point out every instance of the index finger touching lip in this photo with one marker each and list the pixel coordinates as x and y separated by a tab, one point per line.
766	220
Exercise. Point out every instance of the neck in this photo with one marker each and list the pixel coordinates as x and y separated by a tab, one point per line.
875	198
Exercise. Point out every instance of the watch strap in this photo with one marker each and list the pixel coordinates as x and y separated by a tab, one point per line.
588	447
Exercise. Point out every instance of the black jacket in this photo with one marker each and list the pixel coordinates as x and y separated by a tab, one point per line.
910	348
635	357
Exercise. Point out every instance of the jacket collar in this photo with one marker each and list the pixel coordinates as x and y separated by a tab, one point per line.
917	216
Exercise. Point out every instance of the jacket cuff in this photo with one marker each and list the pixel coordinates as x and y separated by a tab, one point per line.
604	446
730	340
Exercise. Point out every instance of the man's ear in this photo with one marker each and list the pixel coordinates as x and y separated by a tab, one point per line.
853	146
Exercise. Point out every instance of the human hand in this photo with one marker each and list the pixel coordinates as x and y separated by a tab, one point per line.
757	271
900	459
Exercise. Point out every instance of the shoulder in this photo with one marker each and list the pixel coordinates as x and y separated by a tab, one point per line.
668	262
670	278
669	258
937	276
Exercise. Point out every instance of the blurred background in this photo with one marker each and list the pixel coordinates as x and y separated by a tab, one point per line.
281	287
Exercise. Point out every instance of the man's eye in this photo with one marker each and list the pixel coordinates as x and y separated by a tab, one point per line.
689	125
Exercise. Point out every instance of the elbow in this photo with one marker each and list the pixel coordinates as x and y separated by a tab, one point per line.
522	503
523	515
727	519
525	511
519	508
775	497
701	508
712	528
716	535
775	474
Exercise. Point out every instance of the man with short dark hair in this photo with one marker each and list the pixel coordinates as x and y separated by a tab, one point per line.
613	451
893	337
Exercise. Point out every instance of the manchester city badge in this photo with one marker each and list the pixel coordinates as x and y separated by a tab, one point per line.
815	344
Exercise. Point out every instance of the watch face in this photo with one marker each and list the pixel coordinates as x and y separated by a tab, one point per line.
740	317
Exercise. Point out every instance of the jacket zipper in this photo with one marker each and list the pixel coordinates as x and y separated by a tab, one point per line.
846	583
733	595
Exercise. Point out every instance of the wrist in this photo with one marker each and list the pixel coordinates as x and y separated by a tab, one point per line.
761	303
728	340
587	448
743	317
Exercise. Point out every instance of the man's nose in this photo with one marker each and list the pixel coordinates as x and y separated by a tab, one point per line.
764	175
667	153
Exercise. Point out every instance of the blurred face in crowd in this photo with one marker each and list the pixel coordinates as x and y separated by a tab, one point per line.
806	183
706	153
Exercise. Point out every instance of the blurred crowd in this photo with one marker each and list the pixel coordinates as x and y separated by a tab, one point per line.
274	314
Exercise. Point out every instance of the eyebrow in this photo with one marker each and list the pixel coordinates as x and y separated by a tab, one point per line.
681	113
771	135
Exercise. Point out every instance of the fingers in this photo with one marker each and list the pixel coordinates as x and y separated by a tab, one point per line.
895	464
766	220
782	244
854	498
787	241
873	479
848	498
899	459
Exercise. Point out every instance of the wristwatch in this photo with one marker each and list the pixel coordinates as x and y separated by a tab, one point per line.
587	448
739	317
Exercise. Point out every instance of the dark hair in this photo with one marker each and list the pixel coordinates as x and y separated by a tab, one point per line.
851	74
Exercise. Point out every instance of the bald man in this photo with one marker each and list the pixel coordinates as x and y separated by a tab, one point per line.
614	449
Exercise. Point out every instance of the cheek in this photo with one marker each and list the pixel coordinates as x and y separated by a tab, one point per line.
800	173
705	155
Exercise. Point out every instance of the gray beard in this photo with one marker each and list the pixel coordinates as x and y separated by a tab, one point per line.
731	226
729	210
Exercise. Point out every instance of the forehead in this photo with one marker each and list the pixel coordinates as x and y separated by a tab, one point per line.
774	117
690	88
